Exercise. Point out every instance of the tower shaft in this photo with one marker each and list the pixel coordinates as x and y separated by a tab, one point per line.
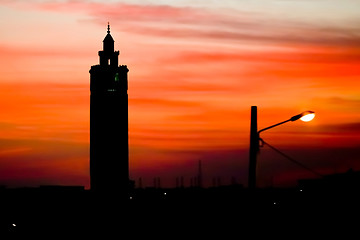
109	144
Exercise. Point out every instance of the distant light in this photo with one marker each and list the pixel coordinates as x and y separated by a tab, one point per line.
116	77
14	225
274	203
131	197
300	190
308	117
164	193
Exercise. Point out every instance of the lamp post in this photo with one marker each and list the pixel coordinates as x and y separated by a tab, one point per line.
255	138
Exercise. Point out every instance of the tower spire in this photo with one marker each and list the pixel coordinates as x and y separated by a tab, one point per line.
108	29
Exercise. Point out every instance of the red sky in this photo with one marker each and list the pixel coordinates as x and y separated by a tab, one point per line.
196	68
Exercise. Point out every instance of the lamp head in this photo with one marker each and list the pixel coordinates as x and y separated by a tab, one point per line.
304	116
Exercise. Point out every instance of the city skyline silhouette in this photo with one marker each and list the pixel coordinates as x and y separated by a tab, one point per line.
167	151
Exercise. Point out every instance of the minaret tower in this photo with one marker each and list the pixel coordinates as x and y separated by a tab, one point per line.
109	139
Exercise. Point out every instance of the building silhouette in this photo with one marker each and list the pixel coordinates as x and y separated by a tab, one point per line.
109	140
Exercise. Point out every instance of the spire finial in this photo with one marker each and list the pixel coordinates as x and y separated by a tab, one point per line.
108	31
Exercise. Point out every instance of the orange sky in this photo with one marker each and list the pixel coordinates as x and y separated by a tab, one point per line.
195	71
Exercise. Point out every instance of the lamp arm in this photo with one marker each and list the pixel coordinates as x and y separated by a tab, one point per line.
274	125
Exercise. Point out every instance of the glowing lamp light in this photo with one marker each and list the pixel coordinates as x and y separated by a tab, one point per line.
308	116
304	116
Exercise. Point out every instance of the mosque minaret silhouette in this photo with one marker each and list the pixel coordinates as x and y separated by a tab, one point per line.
109	135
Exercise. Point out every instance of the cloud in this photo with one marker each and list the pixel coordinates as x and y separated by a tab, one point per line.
10	51
347	104
205	23
7	125
353	128
43	149
343	101
31	162
161	102
301	55
36	110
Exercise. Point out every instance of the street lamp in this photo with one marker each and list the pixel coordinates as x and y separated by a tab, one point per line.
255	138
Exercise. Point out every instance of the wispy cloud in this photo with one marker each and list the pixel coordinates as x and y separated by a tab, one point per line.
199	23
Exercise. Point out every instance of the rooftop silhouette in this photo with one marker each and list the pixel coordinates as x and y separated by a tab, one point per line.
50	210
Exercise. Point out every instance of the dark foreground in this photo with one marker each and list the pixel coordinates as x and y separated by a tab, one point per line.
221	213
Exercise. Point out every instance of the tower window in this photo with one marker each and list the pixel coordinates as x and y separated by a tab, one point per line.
109	61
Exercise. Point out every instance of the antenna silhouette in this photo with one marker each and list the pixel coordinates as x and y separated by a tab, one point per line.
200	184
